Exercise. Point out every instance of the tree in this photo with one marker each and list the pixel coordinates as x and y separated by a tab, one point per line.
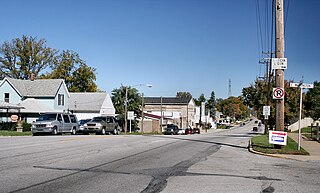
211	104
76	74
118	97
233	107
200	100
22	57
313	101
183	95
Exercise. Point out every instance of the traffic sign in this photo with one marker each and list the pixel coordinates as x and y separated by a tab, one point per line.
130	115
279	63
294	84
307	86
278	93
266	110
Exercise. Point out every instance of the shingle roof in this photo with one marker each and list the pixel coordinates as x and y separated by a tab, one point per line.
166	100
84	101
37	88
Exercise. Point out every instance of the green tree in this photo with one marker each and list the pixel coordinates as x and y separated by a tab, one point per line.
313	101
233	107
211	104
200	100
22	57
184	95
118	97
77	75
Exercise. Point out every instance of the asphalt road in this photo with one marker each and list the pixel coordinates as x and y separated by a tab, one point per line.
209	162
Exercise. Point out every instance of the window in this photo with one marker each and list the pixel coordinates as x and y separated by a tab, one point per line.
66	118
73	119
61	99
6	97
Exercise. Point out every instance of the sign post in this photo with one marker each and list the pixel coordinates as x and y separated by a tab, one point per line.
130	117
302	86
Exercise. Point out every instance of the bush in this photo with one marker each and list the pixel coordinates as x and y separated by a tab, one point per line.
26	126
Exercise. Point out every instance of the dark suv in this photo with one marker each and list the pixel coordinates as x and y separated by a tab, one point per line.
102	125
171	130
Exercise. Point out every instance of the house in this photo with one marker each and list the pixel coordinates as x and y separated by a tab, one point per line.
35	95
180	111
90	104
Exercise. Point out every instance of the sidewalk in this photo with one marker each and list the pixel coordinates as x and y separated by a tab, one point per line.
313	147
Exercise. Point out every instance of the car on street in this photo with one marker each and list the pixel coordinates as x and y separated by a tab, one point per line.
81	123
55	123
182	132
196	130
102	125
171	130
189	130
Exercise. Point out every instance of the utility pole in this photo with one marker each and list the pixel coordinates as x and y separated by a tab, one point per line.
279	54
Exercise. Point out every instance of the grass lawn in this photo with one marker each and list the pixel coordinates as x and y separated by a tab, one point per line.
261	144
14	133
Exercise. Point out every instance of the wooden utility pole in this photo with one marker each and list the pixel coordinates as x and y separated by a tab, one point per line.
279	54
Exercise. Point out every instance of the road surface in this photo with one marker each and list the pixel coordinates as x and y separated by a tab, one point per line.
210	162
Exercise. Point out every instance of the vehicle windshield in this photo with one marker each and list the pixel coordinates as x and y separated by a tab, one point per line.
98	119
47	117
82	122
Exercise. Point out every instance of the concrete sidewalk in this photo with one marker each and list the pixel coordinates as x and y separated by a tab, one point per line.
313	147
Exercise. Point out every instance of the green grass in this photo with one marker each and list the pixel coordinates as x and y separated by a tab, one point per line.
304	130
14	133
261	144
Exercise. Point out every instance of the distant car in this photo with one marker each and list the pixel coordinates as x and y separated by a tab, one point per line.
102	125
182	132
81	123
171	130
255	128
196	130
256	121
189	131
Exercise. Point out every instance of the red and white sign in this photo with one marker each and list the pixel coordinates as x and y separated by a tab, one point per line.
278	93
278	137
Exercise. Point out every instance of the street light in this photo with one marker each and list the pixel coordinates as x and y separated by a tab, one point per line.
126	105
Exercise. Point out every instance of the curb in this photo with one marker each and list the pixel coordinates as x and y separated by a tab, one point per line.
250	149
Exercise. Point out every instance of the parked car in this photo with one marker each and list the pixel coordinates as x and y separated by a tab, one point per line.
102	125
196	130
81	123
171	130
182	132
55	123
189	131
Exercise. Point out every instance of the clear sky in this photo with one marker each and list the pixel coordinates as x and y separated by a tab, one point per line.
175	45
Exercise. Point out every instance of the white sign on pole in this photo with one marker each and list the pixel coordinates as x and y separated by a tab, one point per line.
278	137
294	84
307	86
278	93
279	63
130	115
266	110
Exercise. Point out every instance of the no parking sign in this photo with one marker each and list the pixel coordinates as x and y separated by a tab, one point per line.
278	93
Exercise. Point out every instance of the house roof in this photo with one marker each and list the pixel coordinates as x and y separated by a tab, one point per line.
88	101
36	88
167	100
31	105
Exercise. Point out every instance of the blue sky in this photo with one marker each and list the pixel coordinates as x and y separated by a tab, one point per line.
175	45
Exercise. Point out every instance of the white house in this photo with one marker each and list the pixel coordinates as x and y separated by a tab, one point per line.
90	104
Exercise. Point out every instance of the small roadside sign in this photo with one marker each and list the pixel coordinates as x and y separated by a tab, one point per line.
279	63
278	93
130	115
266	110
278	137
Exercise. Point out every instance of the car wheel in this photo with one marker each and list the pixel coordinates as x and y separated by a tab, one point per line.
35	134
103	131
115	131
54	131
73	132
